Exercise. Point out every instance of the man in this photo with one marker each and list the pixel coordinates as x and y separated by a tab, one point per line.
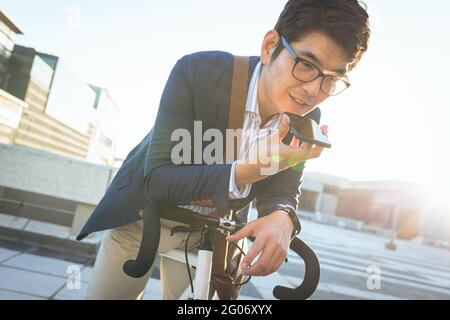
303	61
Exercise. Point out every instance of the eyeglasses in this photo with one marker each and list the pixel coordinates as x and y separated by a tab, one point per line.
305	71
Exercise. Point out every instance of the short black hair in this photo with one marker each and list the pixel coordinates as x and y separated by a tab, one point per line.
345	21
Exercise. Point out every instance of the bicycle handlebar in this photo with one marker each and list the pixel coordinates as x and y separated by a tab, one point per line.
311	278
148	249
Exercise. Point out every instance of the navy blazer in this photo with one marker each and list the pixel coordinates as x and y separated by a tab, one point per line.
198	89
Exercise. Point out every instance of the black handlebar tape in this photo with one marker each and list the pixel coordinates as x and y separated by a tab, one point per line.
149	245
312	274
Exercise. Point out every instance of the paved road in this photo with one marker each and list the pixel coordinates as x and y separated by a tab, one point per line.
347	258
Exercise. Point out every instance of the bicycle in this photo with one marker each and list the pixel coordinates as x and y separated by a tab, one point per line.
206	225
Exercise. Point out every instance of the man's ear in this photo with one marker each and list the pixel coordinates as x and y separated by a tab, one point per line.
268	46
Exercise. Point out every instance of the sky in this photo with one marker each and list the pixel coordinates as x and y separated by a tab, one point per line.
393	124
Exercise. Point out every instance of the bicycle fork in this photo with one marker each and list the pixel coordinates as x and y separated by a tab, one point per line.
204	266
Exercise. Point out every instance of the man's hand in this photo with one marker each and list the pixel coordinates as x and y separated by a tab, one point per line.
282	156
272	238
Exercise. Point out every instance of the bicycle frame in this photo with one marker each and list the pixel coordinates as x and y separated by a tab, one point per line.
203	272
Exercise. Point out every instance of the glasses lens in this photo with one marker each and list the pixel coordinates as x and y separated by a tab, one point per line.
305	71
333	86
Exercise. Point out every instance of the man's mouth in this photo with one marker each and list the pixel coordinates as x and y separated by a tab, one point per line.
299	102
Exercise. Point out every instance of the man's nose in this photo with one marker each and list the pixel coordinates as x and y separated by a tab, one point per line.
312	88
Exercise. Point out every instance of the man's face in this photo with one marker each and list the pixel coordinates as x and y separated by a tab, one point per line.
279	91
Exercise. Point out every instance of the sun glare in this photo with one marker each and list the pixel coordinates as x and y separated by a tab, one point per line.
437	192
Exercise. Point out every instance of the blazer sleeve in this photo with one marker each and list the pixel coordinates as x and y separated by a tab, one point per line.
180	184
283	189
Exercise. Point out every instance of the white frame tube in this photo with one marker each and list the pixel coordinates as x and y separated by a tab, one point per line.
203	274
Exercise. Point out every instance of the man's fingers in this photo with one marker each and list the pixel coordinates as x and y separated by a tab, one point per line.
284	126
244	232
277	260
306	145
306	149
324	129
252	253
295	142
317	151
262	267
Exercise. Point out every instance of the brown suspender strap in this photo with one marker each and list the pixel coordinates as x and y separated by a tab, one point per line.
239	89
238	99
226	257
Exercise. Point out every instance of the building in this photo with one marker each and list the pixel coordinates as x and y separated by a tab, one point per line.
60	105
319	193
11	108
105	128
434	225
65	115
7	30
383	204
44	105
374	206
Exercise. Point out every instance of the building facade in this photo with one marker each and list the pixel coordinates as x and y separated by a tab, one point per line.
36	78
44	105
7	31
384	204
106	130
11	108
377	205
65	115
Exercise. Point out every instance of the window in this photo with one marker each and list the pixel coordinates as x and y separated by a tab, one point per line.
5	29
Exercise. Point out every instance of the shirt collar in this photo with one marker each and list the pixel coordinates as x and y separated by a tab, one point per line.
252	101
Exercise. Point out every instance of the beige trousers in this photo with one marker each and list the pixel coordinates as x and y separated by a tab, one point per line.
110	282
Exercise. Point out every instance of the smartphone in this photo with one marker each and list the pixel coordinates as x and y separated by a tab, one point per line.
306	129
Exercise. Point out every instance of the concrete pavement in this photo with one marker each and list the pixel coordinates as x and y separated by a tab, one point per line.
348	260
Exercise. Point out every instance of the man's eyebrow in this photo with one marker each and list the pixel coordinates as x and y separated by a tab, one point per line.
312	56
